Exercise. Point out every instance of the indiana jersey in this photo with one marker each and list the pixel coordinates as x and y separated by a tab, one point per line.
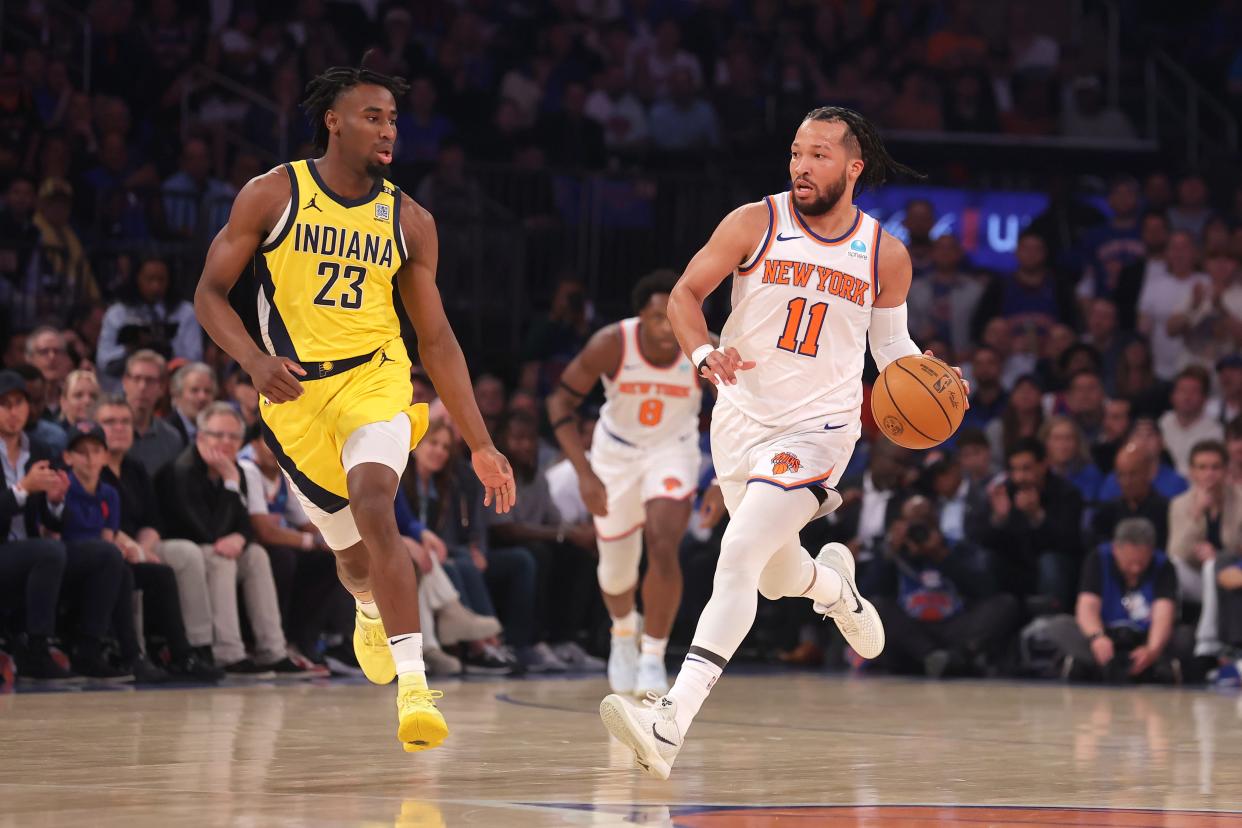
325	272
801	309
647	404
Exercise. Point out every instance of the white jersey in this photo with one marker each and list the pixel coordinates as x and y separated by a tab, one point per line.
801	309
645	404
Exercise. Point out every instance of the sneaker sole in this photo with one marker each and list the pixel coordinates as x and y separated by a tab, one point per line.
418	734
615	713
846	561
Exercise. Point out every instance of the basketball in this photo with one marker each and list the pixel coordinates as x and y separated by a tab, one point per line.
918	402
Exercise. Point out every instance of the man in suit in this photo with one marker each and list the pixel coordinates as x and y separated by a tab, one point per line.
193	387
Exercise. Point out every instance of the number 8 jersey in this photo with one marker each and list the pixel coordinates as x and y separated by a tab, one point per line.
801	309
325	272
646	405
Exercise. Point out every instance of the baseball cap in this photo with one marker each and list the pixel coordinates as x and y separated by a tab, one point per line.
12	381
1229	361
86	430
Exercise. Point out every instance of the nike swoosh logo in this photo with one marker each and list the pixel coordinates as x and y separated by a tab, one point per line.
660	738
858	601
779	237
835	427
396	641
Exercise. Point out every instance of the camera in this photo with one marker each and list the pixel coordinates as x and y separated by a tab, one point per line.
918	533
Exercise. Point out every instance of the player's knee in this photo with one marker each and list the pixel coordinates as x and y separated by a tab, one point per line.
662	557
372	512
618	564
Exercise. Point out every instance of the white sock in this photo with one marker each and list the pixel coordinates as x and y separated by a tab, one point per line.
626	625
824	584
694	682
654	648
407	652
367	608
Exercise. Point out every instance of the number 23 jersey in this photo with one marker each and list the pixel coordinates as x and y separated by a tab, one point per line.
325	272
801	310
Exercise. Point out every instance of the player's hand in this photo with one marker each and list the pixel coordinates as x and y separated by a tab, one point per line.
712	508
496	475
965	384
1102	649
435	545
273	377
594	494
723	365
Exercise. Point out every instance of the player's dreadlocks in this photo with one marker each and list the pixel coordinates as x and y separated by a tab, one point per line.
861	137
322	92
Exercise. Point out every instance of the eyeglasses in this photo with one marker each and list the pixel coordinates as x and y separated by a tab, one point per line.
50	350
141	380
222	435
117	421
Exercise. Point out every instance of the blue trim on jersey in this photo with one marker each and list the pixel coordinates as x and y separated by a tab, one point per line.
620	440
293	212
396	226
767	238
316	494
804	485
339	199
793	208
277	331
875	261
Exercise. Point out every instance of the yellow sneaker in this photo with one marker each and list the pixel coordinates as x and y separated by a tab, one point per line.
421	726
371	649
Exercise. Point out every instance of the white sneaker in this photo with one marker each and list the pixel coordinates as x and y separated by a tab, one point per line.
856	618
623	663
650	731
652	677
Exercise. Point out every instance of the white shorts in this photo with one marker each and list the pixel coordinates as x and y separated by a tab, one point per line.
386	443
810	453
634	475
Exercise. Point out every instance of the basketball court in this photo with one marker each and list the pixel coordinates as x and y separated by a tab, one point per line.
773	749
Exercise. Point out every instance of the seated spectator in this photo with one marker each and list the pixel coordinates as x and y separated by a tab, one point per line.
1226	407
1154	234
192	197
156	443
1111	247
139	539
1089	115
92	517
40	426
65	277
919	220
1033	526
869	506
1022	418
47	350
987	396
77	400
686	121
1084	403
489	395
1165	292
941	611
1168	482
149	316
193	388
1204	521
656	63
552	340
1189	423
1066	448
1033	294
1136	382
1220	624
1210	323
1192	210
1123	626
1103	334
953	496
1233	446
618	112
1114	432
943	301
975	456
570	135
566	596
1135	473
203	499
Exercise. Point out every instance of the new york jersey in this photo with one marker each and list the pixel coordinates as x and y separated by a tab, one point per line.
801	309
648	404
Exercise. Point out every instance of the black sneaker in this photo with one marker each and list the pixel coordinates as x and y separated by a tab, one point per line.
35	663
247	669
193	667
287	668
147	673
91	664
491	661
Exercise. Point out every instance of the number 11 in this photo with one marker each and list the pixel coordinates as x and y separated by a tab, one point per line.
810	342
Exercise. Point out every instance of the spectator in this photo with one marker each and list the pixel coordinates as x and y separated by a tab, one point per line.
1206	520
1210	323
489	395
422	129
78	399
1189	423
655	66
956	498
40	428
1033	525
969	104
1233	446
46	350
1137	383
1164	294
1220	625
1022	418
686	121
946	297
1114	431
1033	295
203	498
917	104
1191	212
1066	449
1113	246
554	339
139	539
1154	233
987	397
941	612
193	387
1102	334
195	203
19	236
1168	482
149	317
1084	403
571	136
618	112
66	278
869	506
919	221
1086	113
1123	627
156	443
1135	473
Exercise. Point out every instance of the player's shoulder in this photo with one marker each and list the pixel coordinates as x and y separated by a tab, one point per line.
262	198
416	220
752	215
893	254
607	339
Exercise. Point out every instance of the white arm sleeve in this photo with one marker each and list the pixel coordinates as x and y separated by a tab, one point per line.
889	337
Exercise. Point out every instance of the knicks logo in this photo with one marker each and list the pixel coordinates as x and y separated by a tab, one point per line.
671	484
785	461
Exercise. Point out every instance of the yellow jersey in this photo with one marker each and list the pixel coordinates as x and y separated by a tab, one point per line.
325	272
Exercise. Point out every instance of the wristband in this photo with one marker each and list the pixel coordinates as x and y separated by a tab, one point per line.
568	418
700	354
1094	636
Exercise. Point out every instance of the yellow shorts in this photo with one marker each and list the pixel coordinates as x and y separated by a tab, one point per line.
308	434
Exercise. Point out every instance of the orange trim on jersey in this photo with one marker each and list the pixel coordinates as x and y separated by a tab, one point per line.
620	362
767	240
810	481
818	239
624	534
686	496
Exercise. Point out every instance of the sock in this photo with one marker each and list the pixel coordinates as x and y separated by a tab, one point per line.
694	682
654	647
823	584
366	605
625	625
407	652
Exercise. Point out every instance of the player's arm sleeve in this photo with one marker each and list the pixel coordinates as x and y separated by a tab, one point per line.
889	336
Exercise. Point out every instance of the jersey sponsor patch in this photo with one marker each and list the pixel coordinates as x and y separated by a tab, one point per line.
381	212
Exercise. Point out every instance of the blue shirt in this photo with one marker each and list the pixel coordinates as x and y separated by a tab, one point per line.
1168	483
87	515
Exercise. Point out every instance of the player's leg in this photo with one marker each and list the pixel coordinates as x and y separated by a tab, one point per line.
619	540
667	519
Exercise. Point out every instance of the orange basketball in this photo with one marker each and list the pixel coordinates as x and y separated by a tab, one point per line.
918	402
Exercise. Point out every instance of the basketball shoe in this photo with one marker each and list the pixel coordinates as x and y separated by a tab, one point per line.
652	677
421	725
650	731
856	618
623	663
371	649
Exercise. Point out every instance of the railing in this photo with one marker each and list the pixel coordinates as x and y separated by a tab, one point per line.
216	102
62	29
1180	109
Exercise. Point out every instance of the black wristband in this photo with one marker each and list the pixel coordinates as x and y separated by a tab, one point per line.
568	418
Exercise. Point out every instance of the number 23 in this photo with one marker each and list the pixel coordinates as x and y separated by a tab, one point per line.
354	277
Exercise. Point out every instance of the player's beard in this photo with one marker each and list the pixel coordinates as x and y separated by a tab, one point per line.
821	205
378	170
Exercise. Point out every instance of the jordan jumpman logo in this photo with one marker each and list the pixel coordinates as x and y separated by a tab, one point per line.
312	203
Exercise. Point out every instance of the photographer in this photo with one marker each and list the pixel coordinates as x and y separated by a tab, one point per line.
941	611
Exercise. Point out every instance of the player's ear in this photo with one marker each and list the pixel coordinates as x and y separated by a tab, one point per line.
332	121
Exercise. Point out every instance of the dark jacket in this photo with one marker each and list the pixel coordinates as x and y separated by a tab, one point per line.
197	508
139	506
1111	512
35	510
1016	544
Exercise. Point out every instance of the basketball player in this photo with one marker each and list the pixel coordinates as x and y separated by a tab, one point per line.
642	473
327	238
813	279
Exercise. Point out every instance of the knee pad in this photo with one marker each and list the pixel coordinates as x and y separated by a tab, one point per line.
618	563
